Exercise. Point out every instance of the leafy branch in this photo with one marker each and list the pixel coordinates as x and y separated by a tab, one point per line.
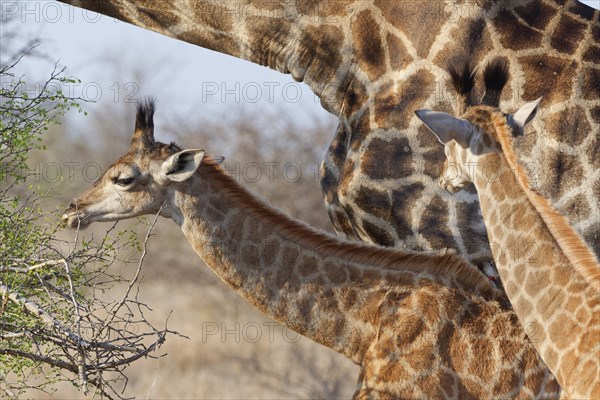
66	311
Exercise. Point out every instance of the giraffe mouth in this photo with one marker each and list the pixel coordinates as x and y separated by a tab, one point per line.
449	187
75	219
453	189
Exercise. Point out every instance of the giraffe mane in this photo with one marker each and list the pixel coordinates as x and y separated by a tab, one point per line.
576	250
443	267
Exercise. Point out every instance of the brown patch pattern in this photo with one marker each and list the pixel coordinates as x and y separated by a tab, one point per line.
387	159
561	162
435	218
403	201
519	38
591	81
592	54
411	17
582	10
472	241
369	49
473	35
377	234
569	126
399	57
536	14
547	77
568	35
394	107
374	202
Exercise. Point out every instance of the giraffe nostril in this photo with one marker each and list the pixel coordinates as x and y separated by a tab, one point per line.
74	206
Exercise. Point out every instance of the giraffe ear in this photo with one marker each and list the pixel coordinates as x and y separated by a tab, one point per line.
523	116
446	127
182	165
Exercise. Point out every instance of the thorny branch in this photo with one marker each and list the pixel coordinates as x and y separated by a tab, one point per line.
84	334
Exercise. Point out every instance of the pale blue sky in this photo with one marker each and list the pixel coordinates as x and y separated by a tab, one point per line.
592	3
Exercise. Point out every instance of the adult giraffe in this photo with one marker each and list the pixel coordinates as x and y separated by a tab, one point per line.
372	63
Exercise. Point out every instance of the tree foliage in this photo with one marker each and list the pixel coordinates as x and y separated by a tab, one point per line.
62	316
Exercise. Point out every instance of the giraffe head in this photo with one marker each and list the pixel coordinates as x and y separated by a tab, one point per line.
470	142
139	182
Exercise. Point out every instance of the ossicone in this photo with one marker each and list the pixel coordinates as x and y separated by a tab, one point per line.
463	74
495	76
143	135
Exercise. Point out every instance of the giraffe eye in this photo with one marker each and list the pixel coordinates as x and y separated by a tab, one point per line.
124	181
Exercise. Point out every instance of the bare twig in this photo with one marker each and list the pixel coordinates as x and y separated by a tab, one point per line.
141	261
84	344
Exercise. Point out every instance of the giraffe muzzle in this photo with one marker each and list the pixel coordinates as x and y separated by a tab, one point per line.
74	218
448	186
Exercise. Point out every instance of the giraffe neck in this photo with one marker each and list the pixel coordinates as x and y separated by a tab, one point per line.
313	283
297	287
558	307
299	39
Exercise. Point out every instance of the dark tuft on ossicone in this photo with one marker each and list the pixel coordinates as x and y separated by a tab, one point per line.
144	120
143	134
463	76
495	76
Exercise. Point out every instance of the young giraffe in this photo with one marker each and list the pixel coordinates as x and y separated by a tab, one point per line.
550	275
372	63
419	325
